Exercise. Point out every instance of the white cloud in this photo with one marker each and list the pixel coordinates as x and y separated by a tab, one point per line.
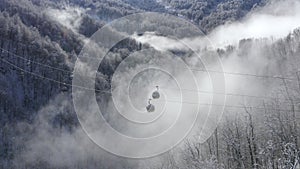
276	20
70	17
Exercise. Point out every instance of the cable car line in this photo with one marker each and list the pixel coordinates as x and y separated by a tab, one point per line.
41	64
194	69
42	77
38	63
230	106
229	94
102	91
246	74
108	92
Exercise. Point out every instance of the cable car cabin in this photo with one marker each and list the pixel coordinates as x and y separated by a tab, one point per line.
64	88
155	94
150	108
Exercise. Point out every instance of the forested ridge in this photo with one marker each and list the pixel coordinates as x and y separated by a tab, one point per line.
209	14
264	137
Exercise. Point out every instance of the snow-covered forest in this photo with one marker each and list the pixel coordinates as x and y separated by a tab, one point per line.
258	41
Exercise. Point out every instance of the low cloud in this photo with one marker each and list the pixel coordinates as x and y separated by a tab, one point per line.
62	148
274	21
70	17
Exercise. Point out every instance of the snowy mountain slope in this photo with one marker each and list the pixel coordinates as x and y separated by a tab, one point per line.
35	33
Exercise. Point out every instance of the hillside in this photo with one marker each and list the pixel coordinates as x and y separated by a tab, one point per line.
40	41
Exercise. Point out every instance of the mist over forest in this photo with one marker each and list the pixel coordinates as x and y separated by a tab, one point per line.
257	43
